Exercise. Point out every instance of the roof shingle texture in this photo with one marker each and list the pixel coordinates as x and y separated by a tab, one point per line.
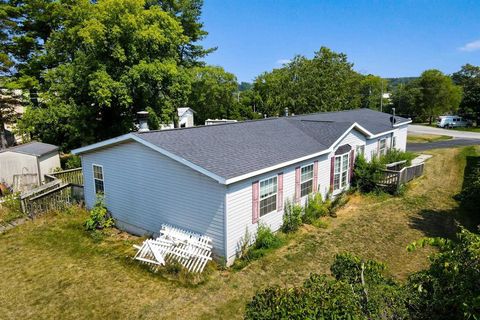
231	150
33	148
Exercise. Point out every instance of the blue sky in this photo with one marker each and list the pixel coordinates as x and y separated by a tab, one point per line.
386	38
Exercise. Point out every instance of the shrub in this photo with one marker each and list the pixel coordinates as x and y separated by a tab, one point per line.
395	155
367	174
450	287
339	201
70	161
244	244
99	216
360	290
292	218
266	239
314	209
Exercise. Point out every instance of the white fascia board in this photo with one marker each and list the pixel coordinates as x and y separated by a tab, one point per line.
102	144
310	156
402	123
180	159
133	137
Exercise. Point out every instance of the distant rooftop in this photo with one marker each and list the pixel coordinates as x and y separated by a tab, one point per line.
34	148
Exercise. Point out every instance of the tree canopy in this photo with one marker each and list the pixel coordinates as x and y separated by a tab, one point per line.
468	77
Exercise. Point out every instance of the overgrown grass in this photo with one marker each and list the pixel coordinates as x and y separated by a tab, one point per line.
425	138
10	209
51	268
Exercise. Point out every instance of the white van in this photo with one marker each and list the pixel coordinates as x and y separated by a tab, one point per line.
452	122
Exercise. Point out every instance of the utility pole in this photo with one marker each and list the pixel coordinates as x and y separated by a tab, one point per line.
381	97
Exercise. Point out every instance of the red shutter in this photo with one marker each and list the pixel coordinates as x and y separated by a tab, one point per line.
297	184
352	164
280	192
255	202
315	176
332	172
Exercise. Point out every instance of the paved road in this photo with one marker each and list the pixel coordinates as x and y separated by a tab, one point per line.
455	142
417	129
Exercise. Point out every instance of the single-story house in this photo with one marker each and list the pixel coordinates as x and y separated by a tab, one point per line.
185	119
221	180
28	163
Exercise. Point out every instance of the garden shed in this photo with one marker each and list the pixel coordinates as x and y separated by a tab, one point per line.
23	167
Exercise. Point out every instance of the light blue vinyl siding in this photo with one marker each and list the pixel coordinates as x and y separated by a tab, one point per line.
145	189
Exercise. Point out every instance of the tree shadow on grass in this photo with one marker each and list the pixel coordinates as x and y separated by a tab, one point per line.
443	223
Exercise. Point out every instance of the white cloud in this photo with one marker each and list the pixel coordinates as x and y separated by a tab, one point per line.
471	46
283	61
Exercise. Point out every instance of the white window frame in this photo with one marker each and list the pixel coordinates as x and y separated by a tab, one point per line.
307	180
95	179
265	197
341	184
380	152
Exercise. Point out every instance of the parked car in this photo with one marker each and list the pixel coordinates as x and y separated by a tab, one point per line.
452	122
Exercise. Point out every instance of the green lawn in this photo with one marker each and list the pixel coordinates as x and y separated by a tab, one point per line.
51	268
424	138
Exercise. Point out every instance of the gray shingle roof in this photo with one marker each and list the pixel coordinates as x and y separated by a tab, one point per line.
33	148
231	150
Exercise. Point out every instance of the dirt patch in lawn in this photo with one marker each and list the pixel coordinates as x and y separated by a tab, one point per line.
51	268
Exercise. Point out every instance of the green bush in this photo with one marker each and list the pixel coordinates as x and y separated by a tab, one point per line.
337	203
314	209
395	155
99	217
70	161
266	239
345	297
450	287
292	217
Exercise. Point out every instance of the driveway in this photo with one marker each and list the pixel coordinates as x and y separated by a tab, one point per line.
455	142
417	129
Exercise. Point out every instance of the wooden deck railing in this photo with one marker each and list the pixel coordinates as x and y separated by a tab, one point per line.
73	176
395	179
62	188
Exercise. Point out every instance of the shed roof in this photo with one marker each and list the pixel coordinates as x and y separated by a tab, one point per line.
34	148
236	149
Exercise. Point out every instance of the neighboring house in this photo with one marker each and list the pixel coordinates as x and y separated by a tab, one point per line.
221	180
27	164
185	119
210	122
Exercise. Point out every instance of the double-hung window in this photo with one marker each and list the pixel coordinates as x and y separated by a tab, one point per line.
268	195
382	148
306	180
340	178
98	179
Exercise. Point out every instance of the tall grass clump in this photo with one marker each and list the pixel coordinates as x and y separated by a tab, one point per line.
292	218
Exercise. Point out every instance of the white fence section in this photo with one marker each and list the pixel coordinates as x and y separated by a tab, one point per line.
190	249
